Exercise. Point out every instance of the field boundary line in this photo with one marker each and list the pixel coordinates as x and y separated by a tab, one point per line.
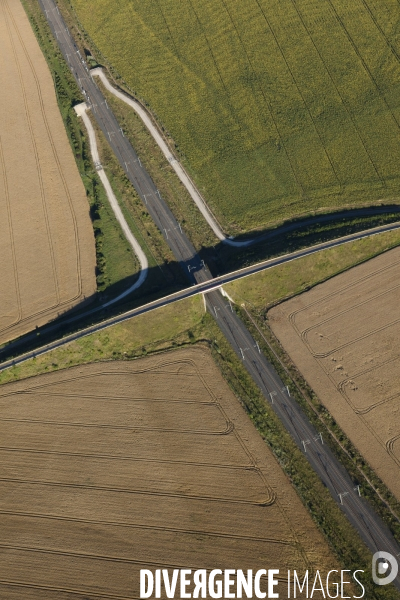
312	407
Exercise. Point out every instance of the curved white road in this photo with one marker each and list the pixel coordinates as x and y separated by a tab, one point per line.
175	164
80	110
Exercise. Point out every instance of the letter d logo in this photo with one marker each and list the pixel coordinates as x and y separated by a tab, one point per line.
384	563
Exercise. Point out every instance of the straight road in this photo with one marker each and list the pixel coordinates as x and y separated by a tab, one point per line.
371	528
199	288
175	237
369	525
175	164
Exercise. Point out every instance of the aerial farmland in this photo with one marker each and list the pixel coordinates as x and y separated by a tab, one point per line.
46	238
115	466
343	337
238	414
277	108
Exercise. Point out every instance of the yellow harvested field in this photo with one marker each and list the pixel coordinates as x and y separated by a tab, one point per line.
112	467
344	337
47	252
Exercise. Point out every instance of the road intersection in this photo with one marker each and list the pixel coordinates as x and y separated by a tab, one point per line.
370	527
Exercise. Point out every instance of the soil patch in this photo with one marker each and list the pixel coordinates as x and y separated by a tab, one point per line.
343	335
116	466
46	238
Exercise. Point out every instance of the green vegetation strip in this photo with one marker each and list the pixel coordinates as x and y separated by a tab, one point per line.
259	293
267	288
116	261
164	271
186	323
166	327
277	108
163	175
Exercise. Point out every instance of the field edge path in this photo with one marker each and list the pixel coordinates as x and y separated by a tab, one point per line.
80	110
172	160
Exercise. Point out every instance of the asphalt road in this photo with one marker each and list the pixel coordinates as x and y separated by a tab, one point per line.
199	288
175	237
333	475
368	524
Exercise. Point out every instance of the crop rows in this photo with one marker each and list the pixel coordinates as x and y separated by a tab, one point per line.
94	492
277	107
348	331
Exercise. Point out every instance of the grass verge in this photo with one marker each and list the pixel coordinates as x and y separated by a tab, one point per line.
115	258
259	293
186	323
267	288
163	270
164	328
163	175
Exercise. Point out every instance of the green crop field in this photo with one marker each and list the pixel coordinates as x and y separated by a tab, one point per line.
277	107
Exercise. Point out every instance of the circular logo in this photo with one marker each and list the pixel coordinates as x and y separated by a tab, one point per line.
384	568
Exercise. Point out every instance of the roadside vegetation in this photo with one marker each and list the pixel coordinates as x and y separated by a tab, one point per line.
184	324
166	327
276	109
164	272
115	259
295	236
256	294
224	171
117	264
163	175
263	290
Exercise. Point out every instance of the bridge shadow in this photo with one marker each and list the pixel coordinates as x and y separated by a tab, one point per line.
220	259
160	282
296	234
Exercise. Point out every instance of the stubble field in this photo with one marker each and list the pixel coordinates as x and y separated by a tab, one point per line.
115	466
47	252
343	336
277	107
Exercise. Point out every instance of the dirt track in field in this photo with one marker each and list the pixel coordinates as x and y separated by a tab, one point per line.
116	466
47	256
344	337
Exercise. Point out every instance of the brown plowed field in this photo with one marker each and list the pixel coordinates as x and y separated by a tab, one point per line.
47	255
116	466
344	336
